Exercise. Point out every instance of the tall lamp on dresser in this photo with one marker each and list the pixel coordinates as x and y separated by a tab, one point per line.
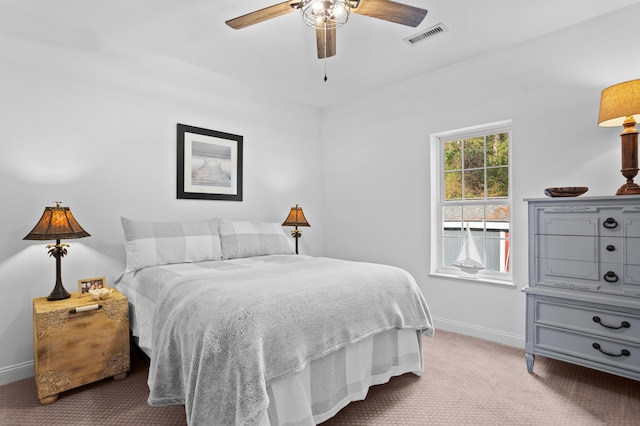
620	106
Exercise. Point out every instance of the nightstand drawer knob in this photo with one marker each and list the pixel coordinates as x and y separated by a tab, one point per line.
623	352
610	223
623	324
610	277
611	247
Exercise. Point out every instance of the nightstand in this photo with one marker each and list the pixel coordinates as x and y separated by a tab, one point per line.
78	341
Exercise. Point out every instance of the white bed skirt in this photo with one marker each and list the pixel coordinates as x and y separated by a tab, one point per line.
328	384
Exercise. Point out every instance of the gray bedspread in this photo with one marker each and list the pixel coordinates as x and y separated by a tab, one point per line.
220	335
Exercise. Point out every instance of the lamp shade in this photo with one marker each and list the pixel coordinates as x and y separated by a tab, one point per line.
296	217
56	223
618	102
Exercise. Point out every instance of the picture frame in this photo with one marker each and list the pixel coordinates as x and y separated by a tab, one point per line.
86	284
209	164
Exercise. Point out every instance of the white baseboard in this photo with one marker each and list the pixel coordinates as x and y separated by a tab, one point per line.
498	336
16	372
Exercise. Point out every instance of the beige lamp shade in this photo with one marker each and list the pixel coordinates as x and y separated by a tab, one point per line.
618	102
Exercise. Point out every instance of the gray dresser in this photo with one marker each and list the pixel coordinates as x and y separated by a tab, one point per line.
583	298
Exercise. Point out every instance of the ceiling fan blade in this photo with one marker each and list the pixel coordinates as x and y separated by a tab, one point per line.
326	41
263	14
391	11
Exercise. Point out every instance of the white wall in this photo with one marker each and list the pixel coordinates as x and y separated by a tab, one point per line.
377	161
97	130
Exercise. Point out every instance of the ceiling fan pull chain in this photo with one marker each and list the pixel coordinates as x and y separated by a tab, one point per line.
325	50
325	70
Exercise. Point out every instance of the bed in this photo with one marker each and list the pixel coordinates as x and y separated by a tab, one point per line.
240	330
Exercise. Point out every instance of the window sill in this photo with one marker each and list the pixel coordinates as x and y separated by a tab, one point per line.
479	280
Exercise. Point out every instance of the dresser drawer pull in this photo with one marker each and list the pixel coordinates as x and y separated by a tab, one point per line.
623	352
611	247
623	324
610	277
610	223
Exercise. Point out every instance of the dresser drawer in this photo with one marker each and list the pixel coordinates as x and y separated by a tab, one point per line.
594	349
610	278
589	220
583	244
588	249
615	325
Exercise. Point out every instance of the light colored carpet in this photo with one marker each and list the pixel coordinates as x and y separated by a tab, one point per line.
466	381
469	381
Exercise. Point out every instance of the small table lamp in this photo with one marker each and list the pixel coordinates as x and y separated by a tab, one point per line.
620	106
57	223
296	218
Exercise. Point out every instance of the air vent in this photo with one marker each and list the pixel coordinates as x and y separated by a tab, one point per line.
428	33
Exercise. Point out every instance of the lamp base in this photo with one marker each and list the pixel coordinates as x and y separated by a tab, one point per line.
629	188
58	293
58	250
629	141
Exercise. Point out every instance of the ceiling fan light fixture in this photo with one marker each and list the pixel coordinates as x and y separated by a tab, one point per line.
327	14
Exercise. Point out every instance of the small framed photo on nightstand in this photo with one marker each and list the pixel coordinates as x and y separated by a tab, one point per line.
86	284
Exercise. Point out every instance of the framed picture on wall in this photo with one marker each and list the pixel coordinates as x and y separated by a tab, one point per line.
209	164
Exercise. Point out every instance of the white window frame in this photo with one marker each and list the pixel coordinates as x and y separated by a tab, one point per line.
437	201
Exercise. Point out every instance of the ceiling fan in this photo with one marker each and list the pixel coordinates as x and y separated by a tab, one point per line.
327	15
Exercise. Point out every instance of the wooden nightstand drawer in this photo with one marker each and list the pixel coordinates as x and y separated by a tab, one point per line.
73	347
602	322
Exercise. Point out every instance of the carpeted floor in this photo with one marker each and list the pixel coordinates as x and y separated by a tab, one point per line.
466	381
469	381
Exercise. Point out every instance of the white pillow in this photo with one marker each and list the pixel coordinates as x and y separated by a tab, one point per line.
244	239
162	243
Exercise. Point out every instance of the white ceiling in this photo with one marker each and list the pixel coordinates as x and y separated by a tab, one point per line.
280	55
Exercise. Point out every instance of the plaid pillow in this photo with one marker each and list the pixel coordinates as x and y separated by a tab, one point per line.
162	243
244	239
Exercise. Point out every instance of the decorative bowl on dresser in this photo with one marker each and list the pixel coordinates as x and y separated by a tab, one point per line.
78	341
583	297
566	191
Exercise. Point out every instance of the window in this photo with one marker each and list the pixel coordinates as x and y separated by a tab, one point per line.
471	203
